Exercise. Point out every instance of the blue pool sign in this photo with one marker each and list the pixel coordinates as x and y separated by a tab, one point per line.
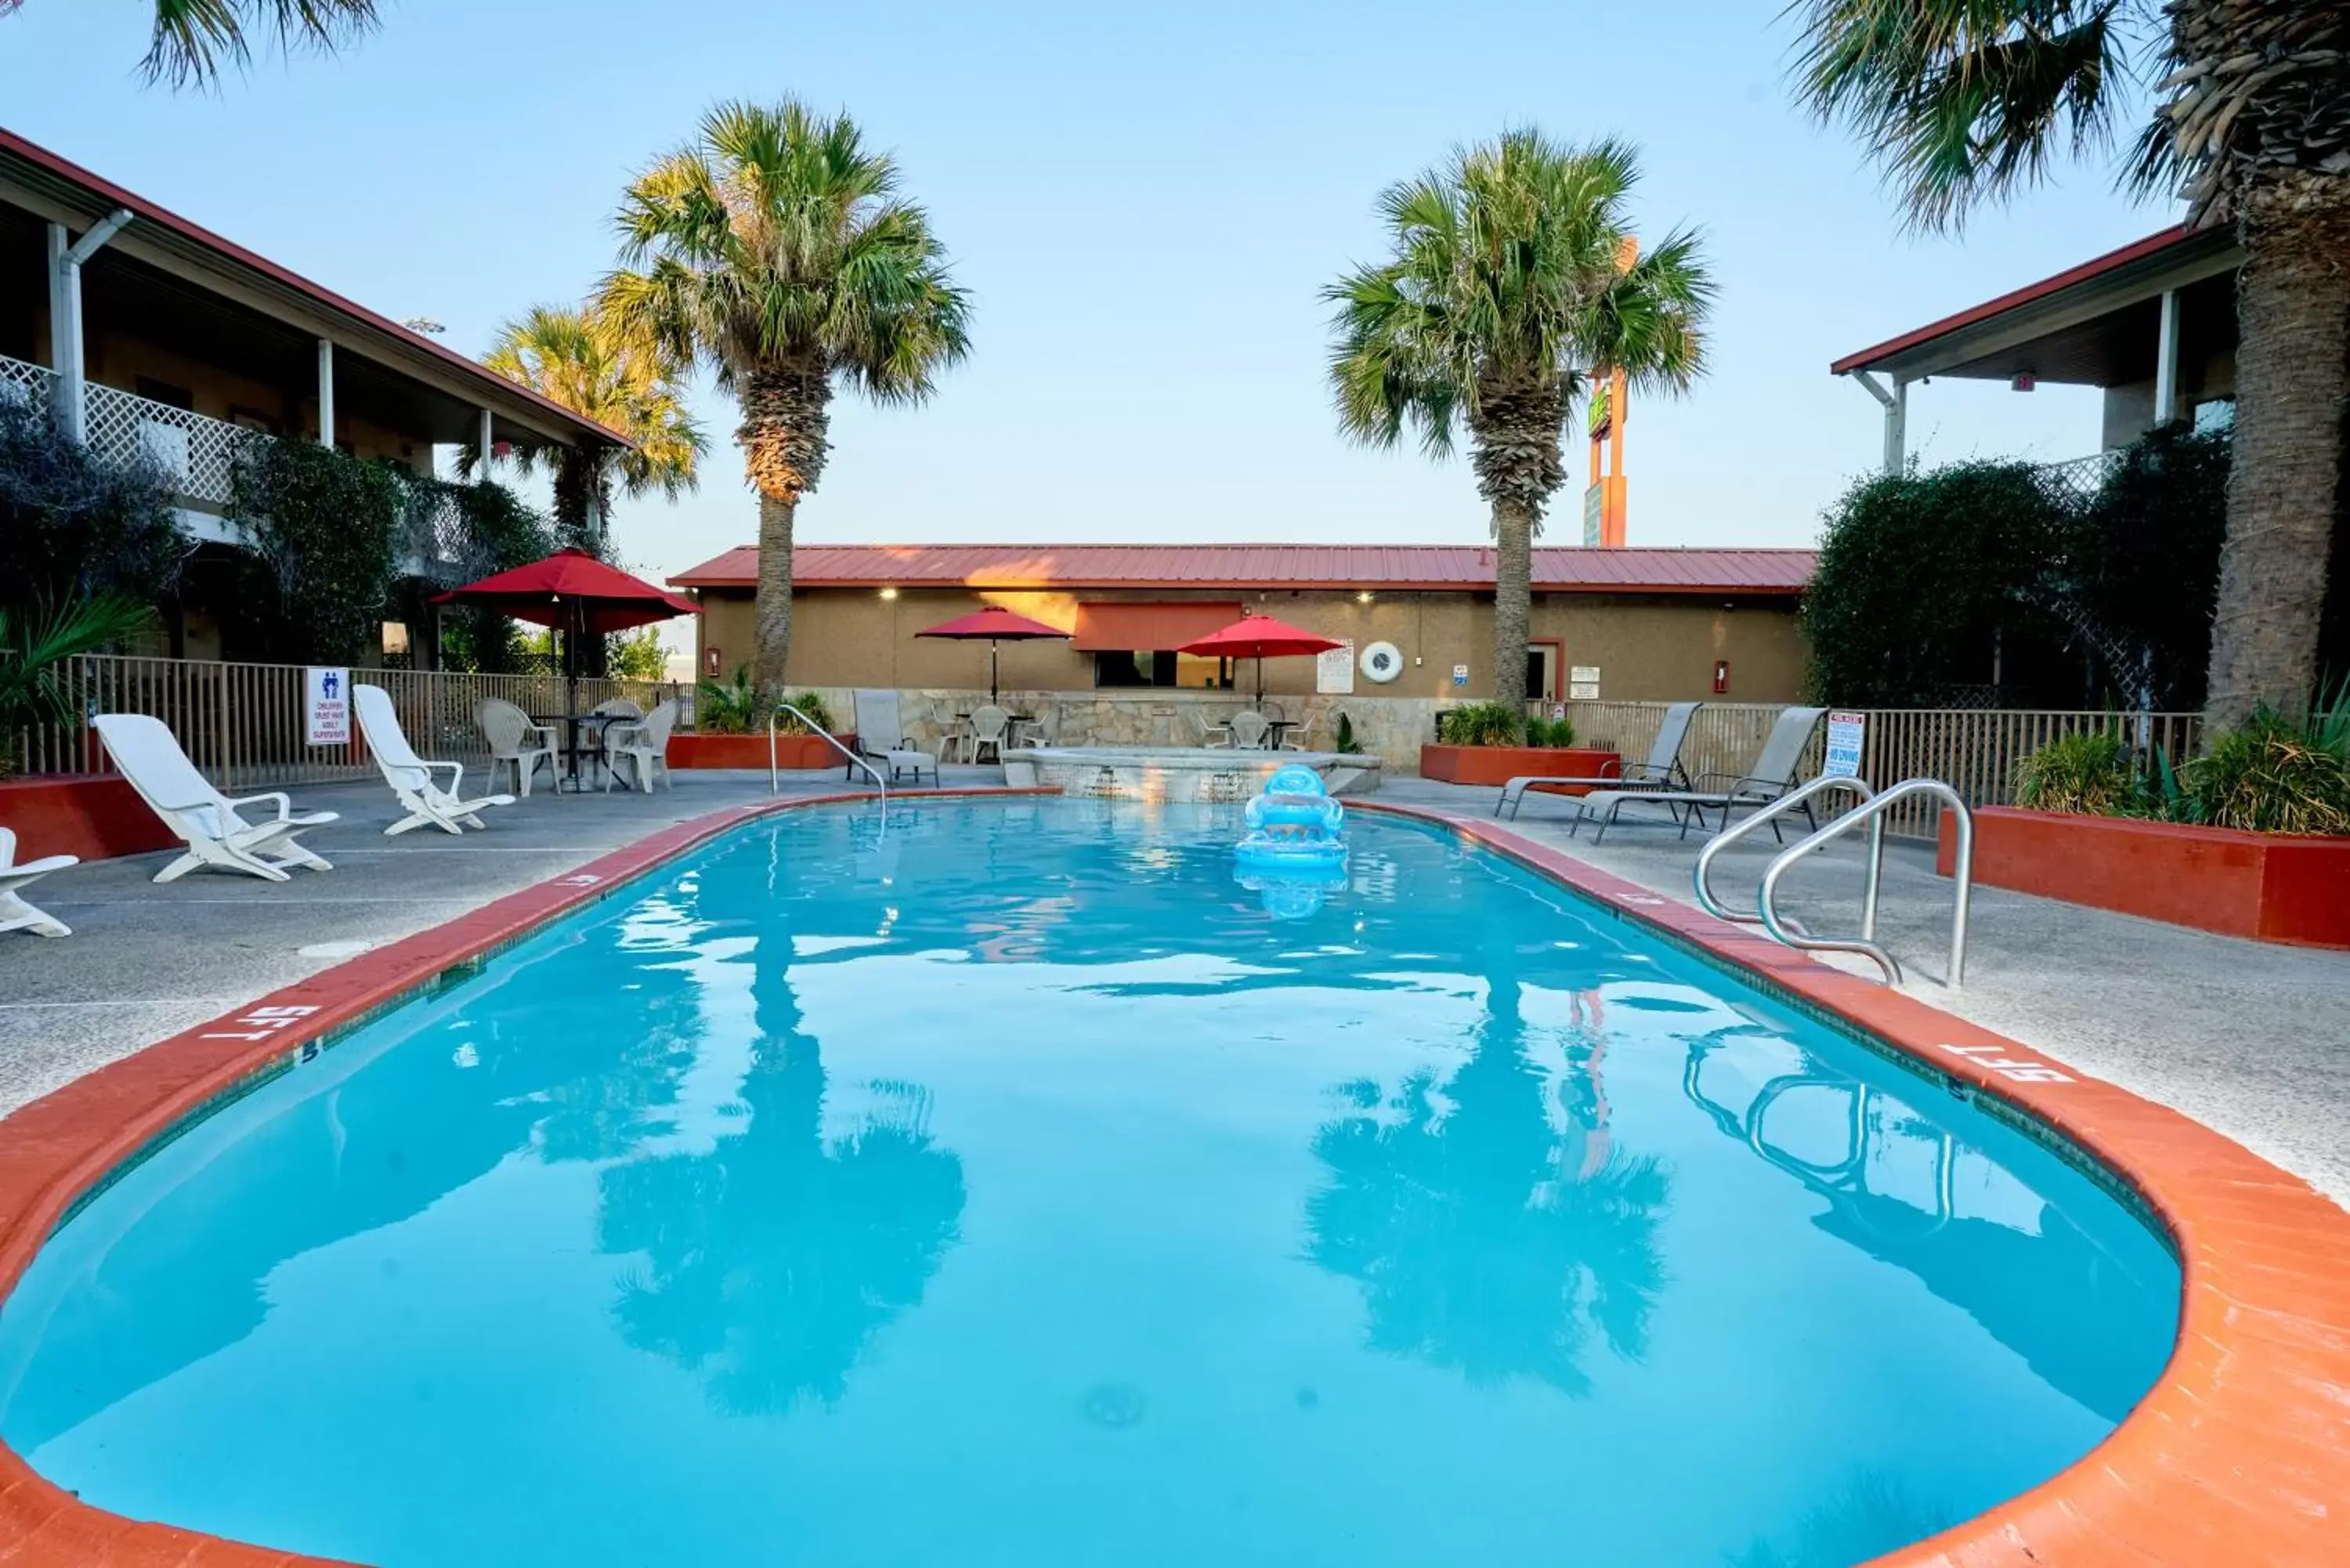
1846	732
326	706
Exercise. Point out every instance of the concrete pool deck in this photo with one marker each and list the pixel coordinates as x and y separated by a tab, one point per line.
2240	1453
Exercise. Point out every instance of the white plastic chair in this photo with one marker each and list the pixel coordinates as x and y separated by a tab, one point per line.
205	820
410	775
1249	728
16	914
988	727
643	747
516	742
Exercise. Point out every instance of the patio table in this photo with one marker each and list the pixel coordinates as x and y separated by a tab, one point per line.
577	744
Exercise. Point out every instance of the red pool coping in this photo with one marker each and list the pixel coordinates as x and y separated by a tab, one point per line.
2239	1456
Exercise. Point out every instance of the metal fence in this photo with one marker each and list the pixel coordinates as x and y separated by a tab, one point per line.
243	724
1975	750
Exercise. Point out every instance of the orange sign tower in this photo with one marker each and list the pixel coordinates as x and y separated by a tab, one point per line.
1603	501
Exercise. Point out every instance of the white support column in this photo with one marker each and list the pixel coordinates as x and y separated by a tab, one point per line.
65	336
325	392
1896	418
487	442
2165	362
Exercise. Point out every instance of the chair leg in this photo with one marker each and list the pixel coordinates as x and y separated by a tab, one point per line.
179	868
16	915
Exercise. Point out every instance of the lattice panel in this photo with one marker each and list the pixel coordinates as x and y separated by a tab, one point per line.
196	452
20	381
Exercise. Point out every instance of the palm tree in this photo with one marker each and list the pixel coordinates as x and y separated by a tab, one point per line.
577	358
194	38
777	250
1506	291
1965	102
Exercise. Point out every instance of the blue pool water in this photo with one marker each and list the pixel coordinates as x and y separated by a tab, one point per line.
1008	1186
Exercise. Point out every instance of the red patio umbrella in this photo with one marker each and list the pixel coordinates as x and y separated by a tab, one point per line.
572	592
1260	637
997	625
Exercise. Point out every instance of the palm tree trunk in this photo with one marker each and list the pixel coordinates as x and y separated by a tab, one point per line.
2292	372
574	482
772	609
1514	568
785	416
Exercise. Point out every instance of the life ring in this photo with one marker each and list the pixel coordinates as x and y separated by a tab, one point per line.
1382	662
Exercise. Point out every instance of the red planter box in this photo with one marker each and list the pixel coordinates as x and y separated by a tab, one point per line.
751	752
96	817
2273	886
1500	765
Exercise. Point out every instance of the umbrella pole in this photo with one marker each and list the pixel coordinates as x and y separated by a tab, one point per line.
990	672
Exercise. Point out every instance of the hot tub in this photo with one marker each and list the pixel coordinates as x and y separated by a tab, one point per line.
1184	773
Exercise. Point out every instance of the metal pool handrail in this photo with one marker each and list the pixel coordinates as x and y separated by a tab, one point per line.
1702	873
775	771
1872	812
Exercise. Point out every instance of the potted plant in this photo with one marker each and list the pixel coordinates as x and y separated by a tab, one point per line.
1492	743
2251	839
730	729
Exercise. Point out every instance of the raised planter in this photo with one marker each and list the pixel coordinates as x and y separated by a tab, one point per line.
96	817
751	752
1497	765
2271	886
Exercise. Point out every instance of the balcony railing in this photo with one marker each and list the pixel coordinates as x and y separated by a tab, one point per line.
195	452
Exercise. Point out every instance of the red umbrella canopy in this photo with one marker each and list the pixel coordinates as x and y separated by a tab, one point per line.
1260	637
996	624
572	590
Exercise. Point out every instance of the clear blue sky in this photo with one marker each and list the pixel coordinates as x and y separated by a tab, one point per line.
1144	207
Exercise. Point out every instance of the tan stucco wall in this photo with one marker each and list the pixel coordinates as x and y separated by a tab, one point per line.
1651	649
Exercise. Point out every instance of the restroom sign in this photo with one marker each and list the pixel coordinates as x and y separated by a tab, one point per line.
326	706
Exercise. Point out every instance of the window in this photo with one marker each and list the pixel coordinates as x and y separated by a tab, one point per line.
2219	414
1161	667
164	392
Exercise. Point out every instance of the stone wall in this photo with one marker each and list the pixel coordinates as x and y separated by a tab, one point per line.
1391	729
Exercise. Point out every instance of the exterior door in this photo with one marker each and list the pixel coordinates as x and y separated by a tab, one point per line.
1544	658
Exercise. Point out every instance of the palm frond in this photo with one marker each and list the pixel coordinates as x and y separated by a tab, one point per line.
1964	101
194	39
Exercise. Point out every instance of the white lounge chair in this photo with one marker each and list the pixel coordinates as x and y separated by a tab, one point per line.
1662	770
516	742
643	747
16	914
410	775
1772	775
206	820
880	735
1245	732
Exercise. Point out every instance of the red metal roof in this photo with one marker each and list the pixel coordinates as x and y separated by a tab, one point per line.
1227	567
2152	244
116	196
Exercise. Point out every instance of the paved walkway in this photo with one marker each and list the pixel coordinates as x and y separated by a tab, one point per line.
2247	1037
2250	1039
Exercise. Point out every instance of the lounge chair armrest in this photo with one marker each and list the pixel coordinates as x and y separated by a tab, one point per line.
1646	773
1769	789
285	802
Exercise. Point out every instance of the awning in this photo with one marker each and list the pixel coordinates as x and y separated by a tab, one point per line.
1148	628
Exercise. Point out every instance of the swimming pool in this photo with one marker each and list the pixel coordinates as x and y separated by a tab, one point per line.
1010	1187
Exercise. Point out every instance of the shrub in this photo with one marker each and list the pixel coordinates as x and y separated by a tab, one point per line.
1550	732
2278	773
1344	736
2089	772
1481	724
2142	559
34	649
324	524
72	524
733	708
811	705
1925	586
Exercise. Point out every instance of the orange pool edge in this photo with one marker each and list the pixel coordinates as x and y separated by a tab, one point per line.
2240	1454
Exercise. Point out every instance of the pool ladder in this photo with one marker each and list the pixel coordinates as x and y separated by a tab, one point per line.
774	771
1870	808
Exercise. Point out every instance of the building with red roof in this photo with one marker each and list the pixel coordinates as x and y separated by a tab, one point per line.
1634	624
